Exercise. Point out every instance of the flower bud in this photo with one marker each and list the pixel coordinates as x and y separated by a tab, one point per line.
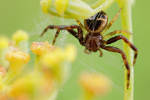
17	59
19	36
42	48
61	5
45	4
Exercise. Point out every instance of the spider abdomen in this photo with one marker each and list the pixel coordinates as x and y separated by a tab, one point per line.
93	41
96	23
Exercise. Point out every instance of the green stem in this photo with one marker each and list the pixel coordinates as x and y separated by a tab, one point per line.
127	25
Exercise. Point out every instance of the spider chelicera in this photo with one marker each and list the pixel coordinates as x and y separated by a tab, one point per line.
91	36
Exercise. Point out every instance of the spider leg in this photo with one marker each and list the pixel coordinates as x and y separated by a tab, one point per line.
79	23
82	27
55	36
115	32
116	38
78	35
70	28
114	49
111	22
101	53
49	27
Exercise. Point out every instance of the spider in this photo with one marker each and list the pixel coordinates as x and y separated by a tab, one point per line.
91	36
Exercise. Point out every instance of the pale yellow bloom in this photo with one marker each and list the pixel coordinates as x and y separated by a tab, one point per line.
54	67
95	84
58	61
61	5
19	36
31	86
17	56
58	56
17	59
70	52
40	48
45	4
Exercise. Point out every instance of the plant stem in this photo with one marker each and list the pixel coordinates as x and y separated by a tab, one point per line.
127	25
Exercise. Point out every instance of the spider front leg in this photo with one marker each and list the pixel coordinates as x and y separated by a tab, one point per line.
116	38
114	49
111	22
78	35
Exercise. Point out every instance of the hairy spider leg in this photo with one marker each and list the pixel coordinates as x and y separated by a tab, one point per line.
116	38
116	32
114	49
111	22
68	28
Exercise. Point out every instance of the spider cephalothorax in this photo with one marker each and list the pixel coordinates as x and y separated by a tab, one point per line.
91	36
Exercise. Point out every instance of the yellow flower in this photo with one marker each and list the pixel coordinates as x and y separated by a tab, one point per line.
45	4
31	86
58	56
40	48
70	52
17	59
58	62
61	5
94	84
19	36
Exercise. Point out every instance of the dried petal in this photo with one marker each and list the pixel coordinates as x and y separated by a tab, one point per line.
19	36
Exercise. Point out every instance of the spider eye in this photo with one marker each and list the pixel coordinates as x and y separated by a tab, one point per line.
96	23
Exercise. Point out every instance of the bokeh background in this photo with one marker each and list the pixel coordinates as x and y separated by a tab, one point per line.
27	15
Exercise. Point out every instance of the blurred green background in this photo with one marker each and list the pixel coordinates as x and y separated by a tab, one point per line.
27	15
